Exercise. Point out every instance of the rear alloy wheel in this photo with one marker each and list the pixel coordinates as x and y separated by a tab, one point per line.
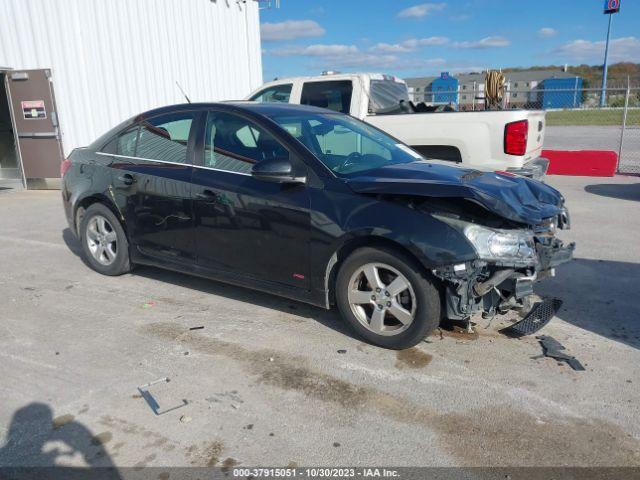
387	298
104	242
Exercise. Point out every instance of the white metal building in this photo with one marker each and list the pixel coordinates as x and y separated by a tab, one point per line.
108	60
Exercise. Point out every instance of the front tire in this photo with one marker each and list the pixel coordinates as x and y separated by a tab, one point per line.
104	242
387	298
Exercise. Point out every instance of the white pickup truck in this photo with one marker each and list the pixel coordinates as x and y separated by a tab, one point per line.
506	140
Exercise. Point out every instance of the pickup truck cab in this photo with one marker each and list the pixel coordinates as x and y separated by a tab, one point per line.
505	140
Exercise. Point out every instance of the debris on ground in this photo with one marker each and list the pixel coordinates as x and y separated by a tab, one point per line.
149	304
62	420
538	317
342	351
197	328
185	419
152	402
554	349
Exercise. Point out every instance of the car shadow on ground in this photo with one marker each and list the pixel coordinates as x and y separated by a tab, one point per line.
329	318
622	191
36	439
600	296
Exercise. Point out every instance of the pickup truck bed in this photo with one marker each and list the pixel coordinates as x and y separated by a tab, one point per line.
506	140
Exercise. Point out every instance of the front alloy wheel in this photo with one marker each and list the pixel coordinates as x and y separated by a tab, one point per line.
382	299
387	297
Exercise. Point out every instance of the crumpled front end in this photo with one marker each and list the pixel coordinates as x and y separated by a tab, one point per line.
510	263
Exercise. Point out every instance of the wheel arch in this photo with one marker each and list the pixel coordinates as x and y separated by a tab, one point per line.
84	203
351	245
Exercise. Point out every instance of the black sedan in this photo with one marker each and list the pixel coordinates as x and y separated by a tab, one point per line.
315	206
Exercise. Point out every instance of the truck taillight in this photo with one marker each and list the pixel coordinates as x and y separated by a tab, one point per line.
515	137
64	166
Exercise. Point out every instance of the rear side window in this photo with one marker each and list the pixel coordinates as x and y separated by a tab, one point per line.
387	94
165	137
334	95
276	94
123	144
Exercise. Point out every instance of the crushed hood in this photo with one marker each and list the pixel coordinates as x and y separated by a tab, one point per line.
515	198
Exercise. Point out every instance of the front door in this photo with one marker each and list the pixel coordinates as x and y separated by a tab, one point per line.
35	122
247	226
152	168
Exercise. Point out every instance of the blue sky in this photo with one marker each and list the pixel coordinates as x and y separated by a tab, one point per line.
413	38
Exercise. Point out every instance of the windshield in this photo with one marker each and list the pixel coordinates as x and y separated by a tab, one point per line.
386	95
345	145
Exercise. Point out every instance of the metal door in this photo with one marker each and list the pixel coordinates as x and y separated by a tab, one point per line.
35	123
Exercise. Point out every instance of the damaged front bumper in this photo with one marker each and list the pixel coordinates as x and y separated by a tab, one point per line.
492	287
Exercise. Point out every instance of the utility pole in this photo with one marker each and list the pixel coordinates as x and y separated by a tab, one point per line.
610	7
606	66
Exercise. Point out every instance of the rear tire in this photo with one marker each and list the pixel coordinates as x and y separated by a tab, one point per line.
104	242
387	298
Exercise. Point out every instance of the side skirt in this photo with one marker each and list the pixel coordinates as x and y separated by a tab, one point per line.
301	295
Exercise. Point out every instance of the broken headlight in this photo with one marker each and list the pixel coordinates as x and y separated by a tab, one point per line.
505	245
494	244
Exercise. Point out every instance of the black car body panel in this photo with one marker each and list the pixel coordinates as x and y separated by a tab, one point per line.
288	238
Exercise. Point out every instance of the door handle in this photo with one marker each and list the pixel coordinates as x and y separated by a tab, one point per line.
127	179
207	195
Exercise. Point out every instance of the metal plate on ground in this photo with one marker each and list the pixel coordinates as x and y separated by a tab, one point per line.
538	317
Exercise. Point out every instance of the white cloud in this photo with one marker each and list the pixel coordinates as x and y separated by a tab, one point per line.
290	30
422	10
319	50
547	32
487	42
330	57
390	63
626	49
408	45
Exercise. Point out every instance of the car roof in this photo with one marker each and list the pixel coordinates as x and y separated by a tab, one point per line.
266	109
255	108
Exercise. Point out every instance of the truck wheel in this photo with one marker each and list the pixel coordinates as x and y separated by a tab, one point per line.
104	241
387	298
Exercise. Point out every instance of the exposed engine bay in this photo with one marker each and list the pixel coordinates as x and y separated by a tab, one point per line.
504	283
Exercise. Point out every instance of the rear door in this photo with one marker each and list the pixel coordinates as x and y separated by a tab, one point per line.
153	165
35	122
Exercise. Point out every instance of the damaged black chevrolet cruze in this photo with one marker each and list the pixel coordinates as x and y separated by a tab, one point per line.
315	206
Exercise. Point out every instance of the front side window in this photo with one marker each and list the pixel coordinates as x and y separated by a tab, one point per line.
276	94
165	137
234	144
345	145
334	95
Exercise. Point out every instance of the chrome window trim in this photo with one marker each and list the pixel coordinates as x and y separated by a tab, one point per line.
171	163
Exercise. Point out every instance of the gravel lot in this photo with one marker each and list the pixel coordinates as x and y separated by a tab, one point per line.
264	383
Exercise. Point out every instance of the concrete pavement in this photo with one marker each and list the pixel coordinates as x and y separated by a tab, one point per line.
264	383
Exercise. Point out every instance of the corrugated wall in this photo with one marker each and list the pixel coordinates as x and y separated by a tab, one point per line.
111	59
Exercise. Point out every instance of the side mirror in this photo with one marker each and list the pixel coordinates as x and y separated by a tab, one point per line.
276	170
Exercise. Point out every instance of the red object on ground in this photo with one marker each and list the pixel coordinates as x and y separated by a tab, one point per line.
585	163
